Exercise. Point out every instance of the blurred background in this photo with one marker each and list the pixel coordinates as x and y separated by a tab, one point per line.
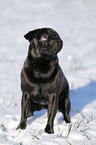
75	21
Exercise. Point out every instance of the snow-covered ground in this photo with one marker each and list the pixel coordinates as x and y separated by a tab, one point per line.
75	21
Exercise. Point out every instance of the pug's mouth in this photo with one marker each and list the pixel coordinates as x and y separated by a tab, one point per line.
51	50
48	52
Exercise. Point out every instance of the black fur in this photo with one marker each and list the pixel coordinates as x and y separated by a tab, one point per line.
43	83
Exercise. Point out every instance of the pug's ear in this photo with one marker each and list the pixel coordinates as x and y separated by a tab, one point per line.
29	35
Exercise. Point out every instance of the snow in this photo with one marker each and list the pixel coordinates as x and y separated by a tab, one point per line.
75	21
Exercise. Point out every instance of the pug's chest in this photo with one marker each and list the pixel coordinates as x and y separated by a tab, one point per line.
43	73
41	93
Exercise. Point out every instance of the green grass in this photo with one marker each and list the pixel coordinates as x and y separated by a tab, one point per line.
68	142
34	136
69	130
84	134
76	127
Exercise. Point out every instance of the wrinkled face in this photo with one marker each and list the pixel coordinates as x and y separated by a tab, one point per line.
44	43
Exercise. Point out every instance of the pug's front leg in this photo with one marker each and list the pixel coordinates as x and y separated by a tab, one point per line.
52	110
24	111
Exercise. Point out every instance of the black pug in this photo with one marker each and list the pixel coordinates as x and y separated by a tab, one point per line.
43	83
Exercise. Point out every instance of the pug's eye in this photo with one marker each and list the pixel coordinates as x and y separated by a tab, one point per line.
44	37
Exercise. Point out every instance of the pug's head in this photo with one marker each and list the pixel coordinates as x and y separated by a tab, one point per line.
45	43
